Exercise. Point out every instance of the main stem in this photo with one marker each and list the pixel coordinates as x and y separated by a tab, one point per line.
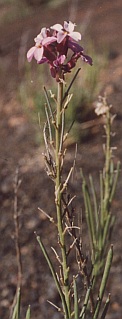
65	269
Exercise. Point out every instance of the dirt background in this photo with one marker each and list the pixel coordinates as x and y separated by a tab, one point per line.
102	22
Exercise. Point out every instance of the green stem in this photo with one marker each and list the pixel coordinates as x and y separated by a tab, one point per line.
107	168
104	281
65	268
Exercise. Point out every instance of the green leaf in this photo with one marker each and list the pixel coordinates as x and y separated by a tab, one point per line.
53	274
94	199
84	308
28	313
105	308
106	230
89	216
75	301
16	312
104	281
115	181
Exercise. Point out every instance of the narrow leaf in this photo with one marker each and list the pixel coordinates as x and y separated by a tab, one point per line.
53	274
28	313
94	199
84	308
106	229
89	215
49	125
101	197
104	281
111	172
67	92
105	308
49	104
16	312
87	212
75	301
115	182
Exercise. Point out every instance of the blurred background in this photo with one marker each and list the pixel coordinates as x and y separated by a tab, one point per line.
21	140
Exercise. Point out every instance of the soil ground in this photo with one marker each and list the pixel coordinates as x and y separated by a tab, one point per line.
102	21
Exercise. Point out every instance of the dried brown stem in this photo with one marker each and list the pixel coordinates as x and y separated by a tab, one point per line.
17	183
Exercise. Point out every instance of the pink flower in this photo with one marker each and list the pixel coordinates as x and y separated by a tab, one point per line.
67	30
59	48
42	40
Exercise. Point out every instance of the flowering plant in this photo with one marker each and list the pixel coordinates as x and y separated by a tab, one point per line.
53	45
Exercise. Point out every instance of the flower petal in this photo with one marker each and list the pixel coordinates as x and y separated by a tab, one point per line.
44	32
69	26
75	36
38	54
57	27
61	36
30	54
38	39
49	40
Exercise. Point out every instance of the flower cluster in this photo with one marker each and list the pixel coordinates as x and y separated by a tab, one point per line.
53	46
101	107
